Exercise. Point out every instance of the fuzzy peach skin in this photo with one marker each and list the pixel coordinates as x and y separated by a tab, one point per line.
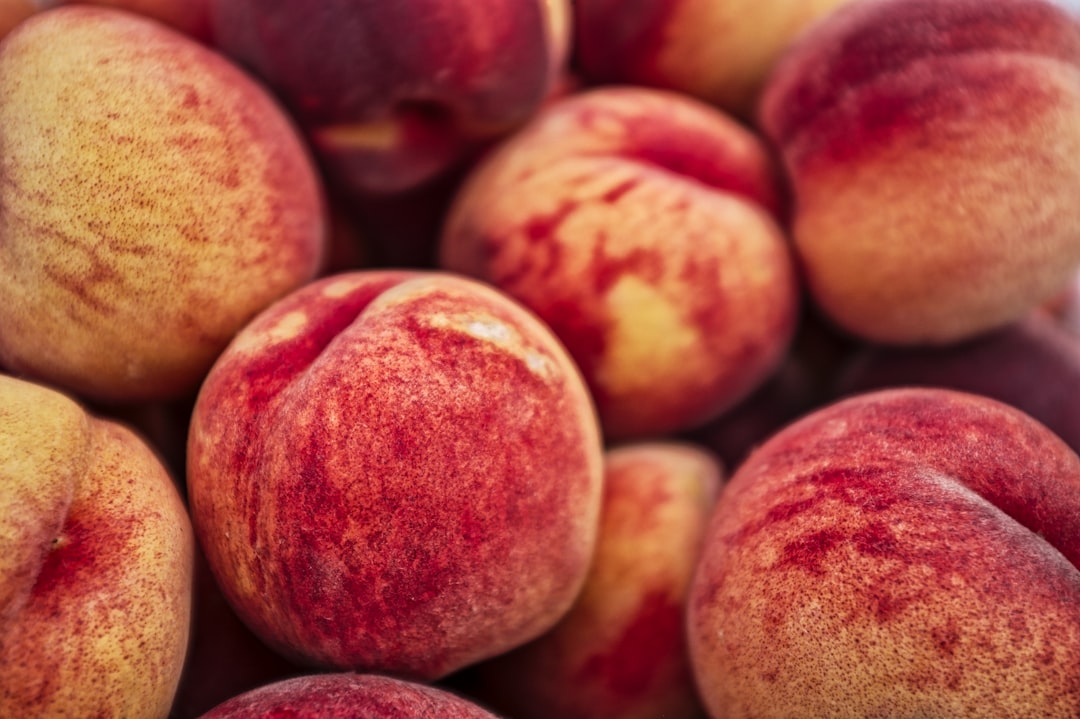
719	51
931	146
392	94
95	564
191	17
396	472
902	553
641	226
620	653
348	696
154	198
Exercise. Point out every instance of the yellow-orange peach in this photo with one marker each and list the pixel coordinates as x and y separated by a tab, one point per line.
901	553
720	51
191	17
95	564
931	147
153	199
396	472
620	653
642	227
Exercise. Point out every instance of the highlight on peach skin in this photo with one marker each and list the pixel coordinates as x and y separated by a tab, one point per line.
643	227
396	472
931	148
906	552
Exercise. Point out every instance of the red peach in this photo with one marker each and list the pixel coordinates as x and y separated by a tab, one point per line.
392	95
620	653
931	146
13	12
396	472
95	564
1028	365
910	552
154	199
348	696
640	225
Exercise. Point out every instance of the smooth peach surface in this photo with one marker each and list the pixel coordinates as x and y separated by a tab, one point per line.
154	198
720	51
903	553
397	472
641	226
191	17
95	564
12	12
347	696
931	148
392	95
620	653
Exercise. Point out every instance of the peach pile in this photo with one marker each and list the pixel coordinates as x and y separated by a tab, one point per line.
539	358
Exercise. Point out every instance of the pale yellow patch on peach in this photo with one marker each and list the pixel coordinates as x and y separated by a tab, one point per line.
287	327
384	135
753	32
339	288
499	335
648	337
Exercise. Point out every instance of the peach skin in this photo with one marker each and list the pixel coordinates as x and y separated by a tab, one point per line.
901	553
393	94
620	653
348	696
396	472
719	51
154	198
642	227
95	564
191	17
931	146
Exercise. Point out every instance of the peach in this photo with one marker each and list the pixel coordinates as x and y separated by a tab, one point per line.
348	696
719	51
224	658
909	552
620	653
13	12
642	227
191	17
154	198
396	472
931	146
1027	365
391	95
95	564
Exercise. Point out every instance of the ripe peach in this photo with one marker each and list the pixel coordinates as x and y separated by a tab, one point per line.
348	696
931	146
191	17
154	199
640	225
719	51
95	564
396	472
909	552
620	653
1027	365
393	94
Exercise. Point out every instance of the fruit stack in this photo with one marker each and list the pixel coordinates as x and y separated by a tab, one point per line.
539	358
